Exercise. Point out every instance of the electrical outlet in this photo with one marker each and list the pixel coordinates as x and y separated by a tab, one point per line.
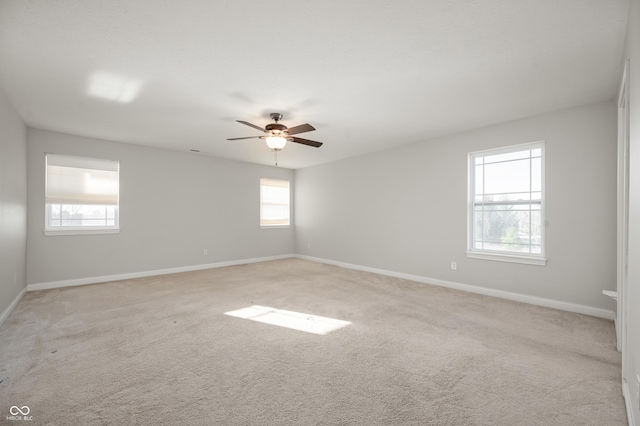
15	277
205	252
309	245
454	266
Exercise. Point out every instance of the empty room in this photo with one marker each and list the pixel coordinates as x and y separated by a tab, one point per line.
320	213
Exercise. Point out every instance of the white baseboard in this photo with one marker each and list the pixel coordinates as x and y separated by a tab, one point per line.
628	400
12	306
532	300
132	275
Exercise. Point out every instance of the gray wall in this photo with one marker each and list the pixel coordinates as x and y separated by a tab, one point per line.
173	205
405	210
13	204
632	350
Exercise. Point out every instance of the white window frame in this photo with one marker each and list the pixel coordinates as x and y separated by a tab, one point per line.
75	198
538	259
264	222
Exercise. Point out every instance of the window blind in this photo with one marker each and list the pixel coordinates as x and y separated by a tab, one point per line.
274	202
80	181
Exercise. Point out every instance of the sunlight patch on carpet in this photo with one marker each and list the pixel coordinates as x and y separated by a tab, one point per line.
295	320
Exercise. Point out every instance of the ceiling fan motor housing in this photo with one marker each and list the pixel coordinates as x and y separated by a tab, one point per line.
275	128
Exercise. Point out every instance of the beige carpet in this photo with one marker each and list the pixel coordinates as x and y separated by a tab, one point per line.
160	350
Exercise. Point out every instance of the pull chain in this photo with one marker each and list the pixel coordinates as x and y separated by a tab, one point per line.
275	155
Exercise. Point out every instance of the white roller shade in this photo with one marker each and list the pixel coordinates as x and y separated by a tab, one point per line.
274	202
79	180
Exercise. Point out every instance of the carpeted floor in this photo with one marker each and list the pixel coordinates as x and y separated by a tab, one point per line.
160	351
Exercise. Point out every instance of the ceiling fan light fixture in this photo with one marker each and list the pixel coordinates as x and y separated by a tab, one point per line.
276	142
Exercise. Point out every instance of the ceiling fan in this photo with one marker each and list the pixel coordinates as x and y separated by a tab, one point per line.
277	135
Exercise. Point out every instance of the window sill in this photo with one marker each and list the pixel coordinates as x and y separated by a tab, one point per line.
512	258
53	232
274	226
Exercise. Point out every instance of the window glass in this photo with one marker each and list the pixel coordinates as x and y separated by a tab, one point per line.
506	201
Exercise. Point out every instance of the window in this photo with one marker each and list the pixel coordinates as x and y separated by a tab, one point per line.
506	204
274	203
81	195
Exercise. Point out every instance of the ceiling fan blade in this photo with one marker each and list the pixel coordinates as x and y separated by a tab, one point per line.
307	142
248	137
300	129
251	125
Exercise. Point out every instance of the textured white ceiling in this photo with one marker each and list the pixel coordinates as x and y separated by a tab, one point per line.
369	75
